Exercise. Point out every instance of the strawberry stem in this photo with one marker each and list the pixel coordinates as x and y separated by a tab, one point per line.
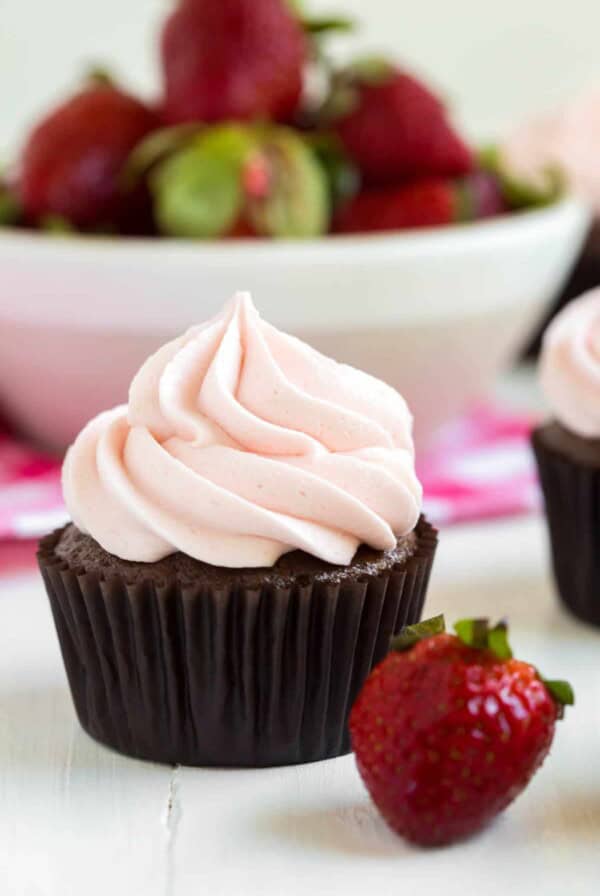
370	70
412	634
478	634
99	76
498	641
473	632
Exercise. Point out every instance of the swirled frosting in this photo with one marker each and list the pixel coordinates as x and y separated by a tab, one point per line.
570	366
240	443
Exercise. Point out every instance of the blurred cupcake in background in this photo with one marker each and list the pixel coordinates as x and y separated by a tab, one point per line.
567	450
567	140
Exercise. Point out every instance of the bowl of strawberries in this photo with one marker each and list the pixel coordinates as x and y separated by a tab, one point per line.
343	196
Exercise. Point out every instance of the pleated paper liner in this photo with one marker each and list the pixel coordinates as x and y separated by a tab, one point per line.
226	677
572	497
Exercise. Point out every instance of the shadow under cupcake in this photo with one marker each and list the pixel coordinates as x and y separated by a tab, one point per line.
246	540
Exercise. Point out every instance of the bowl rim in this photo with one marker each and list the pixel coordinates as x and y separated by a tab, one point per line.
48	276
426	238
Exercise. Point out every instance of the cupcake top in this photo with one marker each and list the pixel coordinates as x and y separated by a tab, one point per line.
570	366
568	139
240	443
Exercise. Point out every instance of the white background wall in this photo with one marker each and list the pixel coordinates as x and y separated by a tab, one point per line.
498	60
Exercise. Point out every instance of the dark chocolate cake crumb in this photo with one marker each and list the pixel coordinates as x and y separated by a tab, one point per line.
83	552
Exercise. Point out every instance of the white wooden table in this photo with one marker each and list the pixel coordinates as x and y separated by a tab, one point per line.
76	818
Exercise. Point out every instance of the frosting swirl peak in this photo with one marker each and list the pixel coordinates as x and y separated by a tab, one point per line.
240	443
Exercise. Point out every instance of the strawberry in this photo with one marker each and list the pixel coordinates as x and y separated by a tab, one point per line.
239	59
73	159
425	203
449	729
393	127
430	202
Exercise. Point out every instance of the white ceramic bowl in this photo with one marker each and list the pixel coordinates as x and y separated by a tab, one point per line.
436	313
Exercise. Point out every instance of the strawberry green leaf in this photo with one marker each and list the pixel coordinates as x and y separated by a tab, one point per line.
317	25
99	76
10	211
520	193
489	158
344	86
412	634
198	190
525	194
473	632
297	201
497	641
321	26
562	692
478	634
342	99
370	70
154	148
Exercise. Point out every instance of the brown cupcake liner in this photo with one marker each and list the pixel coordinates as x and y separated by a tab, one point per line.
226	677
572	497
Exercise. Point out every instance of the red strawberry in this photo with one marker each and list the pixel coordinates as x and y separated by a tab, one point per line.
448	730
397	129
232	59
431	202
72	161
425	203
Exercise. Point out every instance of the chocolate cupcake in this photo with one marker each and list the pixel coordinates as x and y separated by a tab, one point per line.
567	450
246	538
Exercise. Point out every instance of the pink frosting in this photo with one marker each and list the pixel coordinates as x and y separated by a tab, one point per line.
240	443
570	365
568	139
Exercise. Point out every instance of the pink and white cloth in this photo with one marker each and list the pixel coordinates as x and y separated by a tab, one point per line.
480	467
30	491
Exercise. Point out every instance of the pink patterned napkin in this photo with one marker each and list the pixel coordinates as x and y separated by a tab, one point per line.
30	493
479	467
